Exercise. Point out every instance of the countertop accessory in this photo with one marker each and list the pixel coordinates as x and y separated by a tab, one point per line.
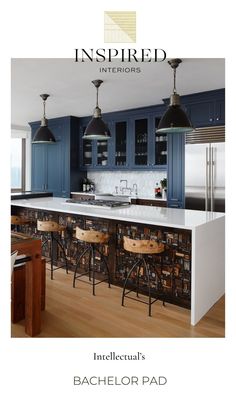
175	120
97	129
43	133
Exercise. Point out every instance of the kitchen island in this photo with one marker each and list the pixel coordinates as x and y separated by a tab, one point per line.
192	269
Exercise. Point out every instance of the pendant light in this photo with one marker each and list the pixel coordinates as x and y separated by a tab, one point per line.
97	129
175	119
43	133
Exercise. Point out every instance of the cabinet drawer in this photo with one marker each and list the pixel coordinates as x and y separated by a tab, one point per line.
151	202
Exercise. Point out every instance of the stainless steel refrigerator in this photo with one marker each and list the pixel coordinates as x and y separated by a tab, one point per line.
205	169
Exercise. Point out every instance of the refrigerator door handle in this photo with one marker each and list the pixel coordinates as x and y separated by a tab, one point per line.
212	179
207	181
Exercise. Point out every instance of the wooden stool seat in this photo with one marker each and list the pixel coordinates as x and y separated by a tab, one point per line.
17	220
91	236
49	226
145	247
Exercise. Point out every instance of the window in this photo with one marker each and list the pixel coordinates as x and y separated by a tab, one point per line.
17	164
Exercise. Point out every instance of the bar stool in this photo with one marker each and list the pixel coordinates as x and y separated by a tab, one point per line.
17	221
52	227
144	249
93	239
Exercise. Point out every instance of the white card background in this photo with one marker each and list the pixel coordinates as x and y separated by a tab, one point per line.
37	374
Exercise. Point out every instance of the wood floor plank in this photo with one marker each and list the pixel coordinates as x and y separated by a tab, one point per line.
75	312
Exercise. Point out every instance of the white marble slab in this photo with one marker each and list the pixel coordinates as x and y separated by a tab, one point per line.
169	217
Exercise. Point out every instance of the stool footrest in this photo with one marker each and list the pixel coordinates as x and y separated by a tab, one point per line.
141	301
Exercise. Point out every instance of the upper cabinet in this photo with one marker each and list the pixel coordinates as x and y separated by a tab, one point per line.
120	132
160	151
140	142
205	108
134	143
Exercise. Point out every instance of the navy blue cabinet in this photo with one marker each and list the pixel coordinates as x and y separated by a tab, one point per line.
205	108
38	183
55	167
175	171
134	144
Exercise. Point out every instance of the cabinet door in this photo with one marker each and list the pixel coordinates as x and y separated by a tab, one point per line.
201	113
120	132
54	168
38	168
140	143
101	152
220	112
175	172
160	152
86	148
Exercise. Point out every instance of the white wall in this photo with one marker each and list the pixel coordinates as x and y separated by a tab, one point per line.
106	181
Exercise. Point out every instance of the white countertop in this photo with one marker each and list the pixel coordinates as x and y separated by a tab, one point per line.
169	217
99	194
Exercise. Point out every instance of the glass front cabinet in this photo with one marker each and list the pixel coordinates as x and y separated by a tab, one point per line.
102	153
134	145
141	142
120	139
160	147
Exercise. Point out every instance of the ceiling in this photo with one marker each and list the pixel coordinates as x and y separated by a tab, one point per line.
72	92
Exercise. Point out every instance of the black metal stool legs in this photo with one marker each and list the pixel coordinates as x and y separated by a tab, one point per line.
91	249
159	282
53	239
51	255
106	266
138	264
63	251
126	281
77	265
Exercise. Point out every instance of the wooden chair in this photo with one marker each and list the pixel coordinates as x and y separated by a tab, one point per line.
52	227
93	239
143	249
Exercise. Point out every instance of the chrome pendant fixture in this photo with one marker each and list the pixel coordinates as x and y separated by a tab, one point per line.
97	129
43	133
175	119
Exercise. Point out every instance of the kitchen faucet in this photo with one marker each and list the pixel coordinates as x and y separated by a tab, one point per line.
135	188
126	185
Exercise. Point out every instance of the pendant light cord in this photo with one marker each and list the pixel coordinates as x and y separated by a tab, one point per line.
44	104
97	98
174	89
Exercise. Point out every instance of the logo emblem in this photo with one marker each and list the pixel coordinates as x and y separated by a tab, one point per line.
119	27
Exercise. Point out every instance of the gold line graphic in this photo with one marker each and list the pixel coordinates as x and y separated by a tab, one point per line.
119	26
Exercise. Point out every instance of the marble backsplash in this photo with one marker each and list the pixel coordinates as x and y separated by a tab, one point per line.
108	180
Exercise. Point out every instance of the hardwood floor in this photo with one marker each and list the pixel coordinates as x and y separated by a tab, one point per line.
74	312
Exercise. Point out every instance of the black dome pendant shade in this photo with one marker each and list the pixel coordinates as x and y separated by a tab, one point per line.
175	119
43	133
97	129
